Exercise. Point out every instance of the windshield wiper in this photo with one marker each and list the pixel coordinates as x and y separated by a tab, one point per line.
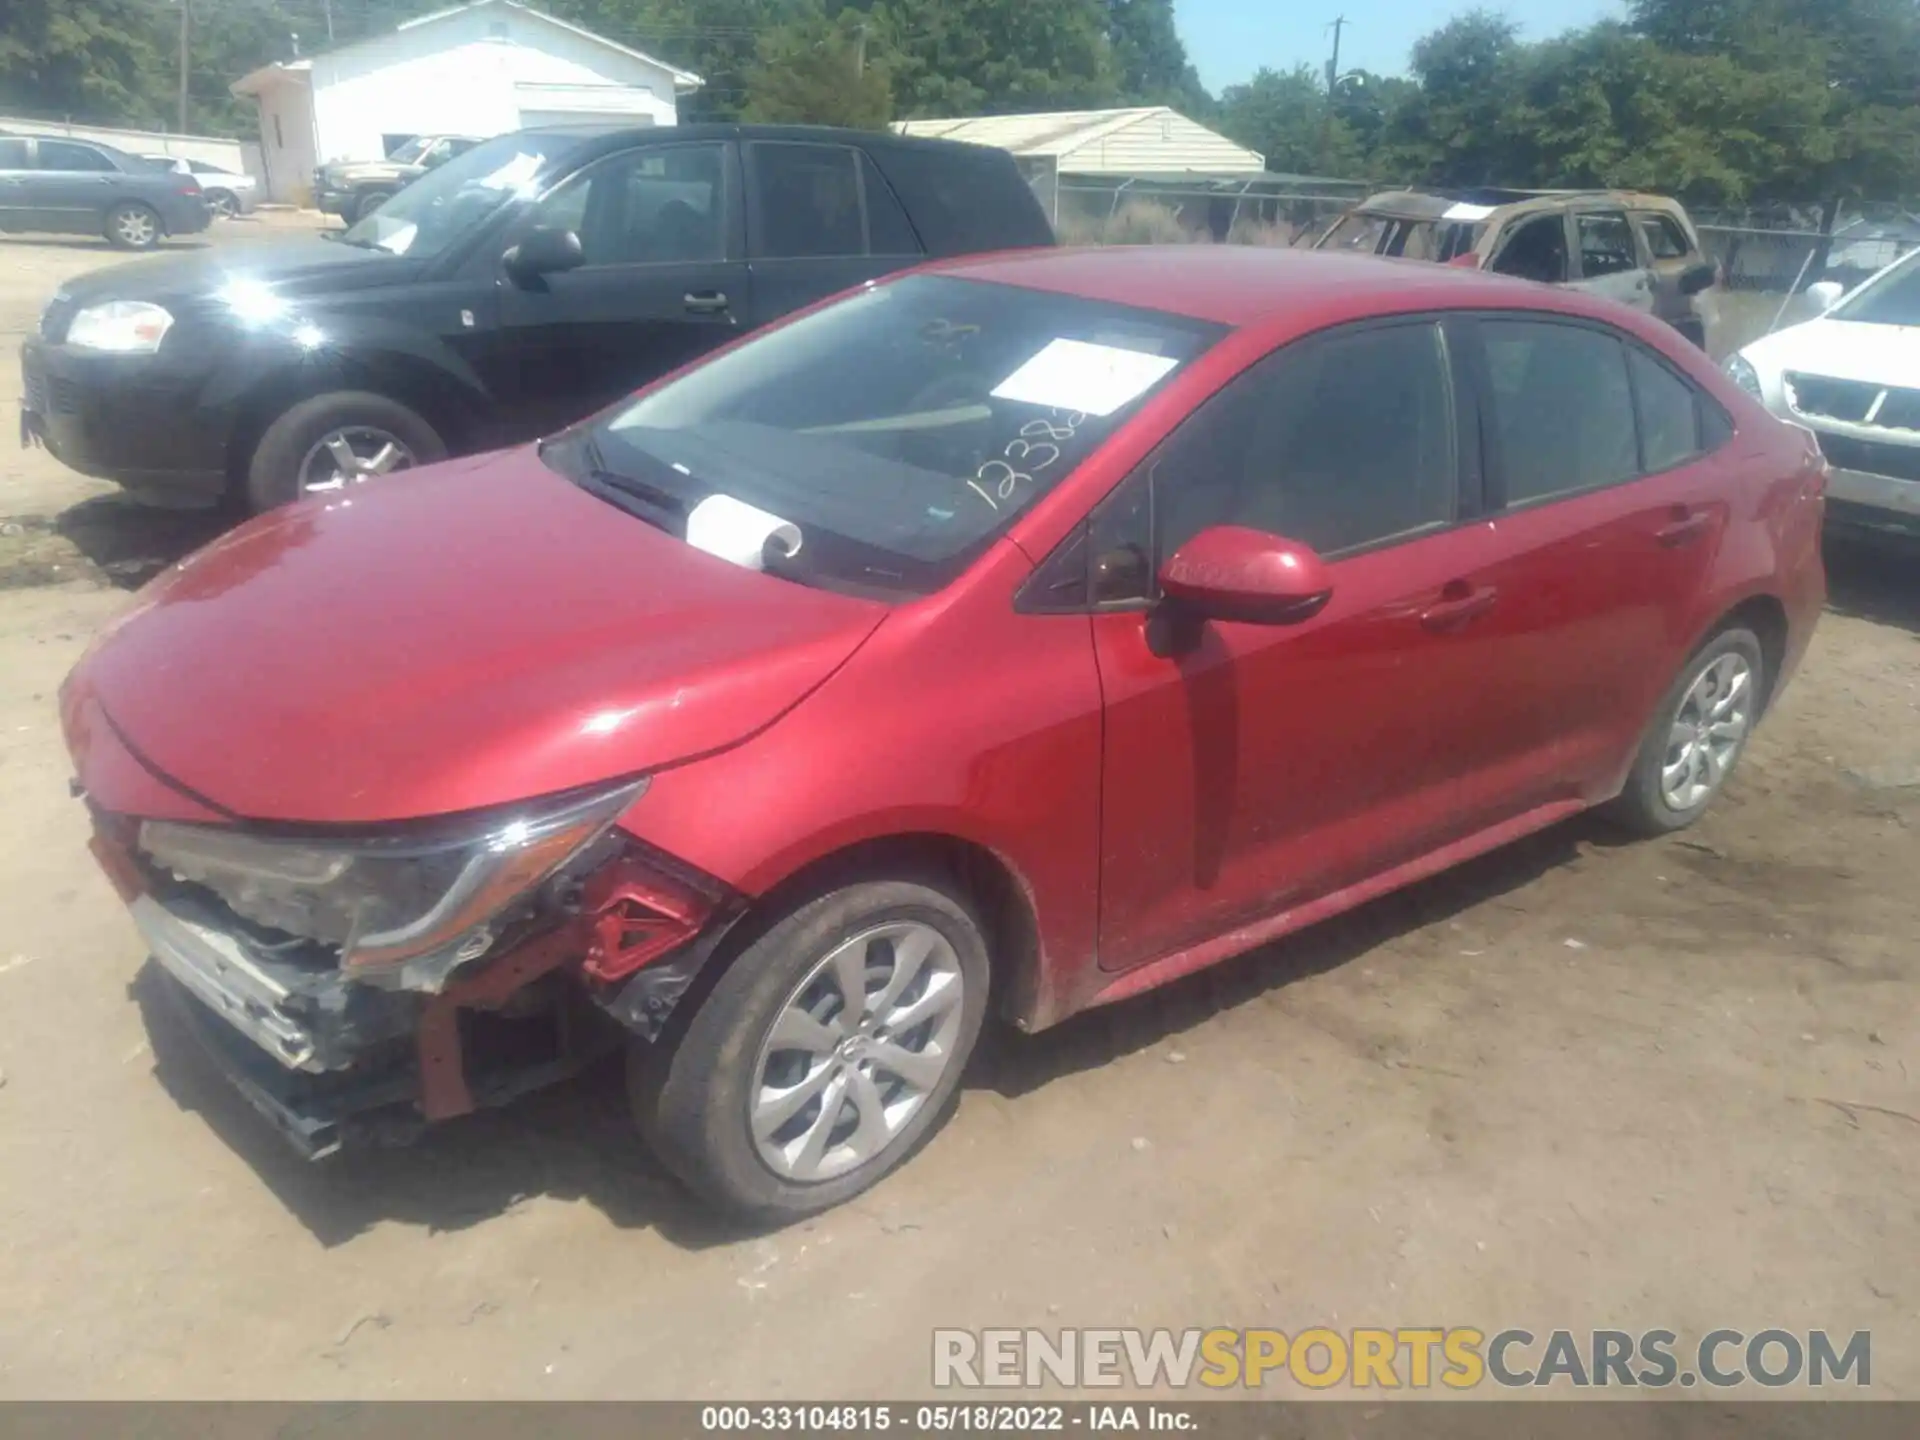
659	508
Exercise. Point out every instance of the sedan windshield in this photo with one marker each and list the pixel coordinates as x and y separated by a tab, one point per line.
434	211
900	430
1891	298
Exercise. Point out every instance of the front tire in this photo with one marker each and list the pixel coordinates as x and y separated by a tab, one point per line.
335	441
133	226
223	203
824	1054
371	201
1698	733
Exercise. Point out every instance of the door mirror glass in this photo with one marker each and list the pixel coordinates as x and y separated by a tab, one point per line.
1229	572
545	250
1825	295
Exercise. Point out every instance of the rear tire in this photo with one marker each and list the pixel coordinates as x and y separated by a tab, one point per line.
710	1101
1697	735
223	203
284	464
133	226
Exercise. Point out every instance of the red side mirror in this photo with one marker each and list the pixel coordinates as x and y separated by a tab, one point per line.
1229	572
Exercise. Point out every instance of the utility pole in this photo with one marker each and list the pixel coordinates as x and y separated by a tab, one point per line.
183	66
860	49
326	8
1333	79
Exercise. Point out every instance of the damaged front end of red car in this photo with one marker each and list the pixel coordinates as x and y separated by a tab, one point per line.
339	1042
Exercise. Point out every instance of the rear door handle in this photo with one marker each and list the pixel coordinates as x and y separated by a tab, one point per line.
1459	604
704	302
1686	527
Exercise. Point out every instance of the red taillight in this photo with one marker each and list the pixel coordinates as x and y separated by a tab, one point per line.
187	185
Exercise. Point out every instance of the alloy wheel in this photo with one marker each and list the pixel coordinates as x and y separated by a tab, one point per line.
1712	723
351	455
136	227
223	204
855	1051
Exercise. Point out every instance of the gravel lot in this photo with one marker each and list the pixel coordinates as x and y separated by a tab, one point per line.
1578	1084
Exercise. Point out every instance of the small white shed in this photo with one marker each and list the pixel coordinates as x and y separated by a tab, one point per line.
479	69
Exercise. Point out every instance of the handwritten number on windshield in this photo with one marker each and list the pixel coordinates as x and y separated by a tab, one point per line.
1037	446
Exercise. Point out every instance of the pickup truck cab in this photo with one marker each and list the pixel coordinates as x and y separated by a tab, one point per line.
509	292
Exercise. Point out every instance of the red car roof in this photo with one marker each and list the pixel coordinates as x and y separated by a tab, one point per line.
1242	284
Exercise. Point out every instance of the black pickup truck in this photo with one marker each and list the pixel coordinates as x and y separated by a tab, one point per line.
505	294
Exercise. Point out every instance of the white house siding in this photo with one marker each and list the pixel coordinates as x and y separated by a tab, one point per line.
463	74
1150	140
286	140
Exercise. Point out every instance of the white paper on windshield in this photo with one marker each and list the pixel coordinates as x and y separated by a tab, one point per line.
737	531
1467	212
1093	379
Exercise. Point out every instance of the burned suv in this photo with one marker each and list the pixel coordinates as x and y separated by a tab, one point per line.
1641	250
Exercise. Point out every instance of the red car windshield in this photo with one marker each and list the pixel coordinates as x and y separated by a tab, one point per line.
901	430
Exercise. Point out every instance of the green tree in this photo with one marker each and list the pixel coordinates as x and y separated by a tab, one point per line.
822	71
970	57
92	59
1150	58
1284	115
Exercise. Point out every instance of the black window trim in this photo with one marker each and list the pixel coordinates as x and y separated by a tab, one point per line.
1494	462
1459	353
1664	221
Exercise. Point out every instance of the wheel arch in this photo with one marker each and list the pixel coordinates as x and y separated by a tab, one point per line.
434	394
1765	614
983	876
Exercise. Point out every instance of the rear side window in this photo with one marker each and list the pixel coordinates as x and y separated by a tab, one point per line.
1665	239
1669	413
13	154
1606	245
1562	408
1340	443
809	201
65	155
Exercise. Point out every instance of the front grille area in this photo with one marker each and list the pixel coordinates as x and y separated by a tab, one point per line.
1902	462
1854	401
34	392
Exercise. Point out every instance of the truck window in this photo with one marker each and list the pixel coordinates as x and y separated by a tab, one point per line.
1536	249
889	232
1665	239
809	201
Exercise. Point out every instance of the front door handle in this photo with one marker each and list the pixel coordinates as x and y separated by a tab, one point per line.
1686	527
704	302
1459	604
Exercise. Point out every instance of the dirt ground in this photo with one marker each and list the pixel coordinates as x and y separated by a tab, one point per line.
1578	1084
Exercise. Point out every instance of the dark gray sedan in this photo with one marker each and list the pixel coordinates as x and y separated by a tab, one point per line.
80	187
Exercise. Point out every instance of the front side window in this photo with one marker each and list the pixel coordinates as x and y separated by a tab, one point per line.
902	430
1535	249
1338	443
1606	245
650	206
1562	408
809	201
445	204
65	155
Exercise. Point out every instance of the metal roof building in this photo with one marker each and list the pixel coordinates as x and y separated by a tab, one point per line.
1152	140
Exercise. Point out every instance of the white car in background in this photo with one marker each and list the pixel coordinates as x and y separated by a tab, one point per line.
1852	377
228	192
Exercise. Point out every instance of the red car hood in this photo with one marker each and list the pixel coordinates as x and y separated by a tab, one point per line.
479	632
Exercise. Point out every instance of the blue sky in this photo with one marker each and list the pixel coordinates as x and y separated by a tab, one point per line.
1229	39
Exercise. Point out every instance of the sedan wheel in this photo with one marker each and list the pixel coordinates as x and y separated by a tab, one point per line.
1712	724
856	1050
223	204
133	227
829	1045
1696	736
349	456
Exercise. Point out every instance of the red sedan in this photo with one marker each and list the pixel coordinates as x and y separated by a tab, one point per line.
1014	635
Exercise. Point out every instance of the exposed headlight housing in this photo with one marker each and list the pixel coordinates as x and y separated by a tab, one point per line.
120	327
1740	370
424	900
